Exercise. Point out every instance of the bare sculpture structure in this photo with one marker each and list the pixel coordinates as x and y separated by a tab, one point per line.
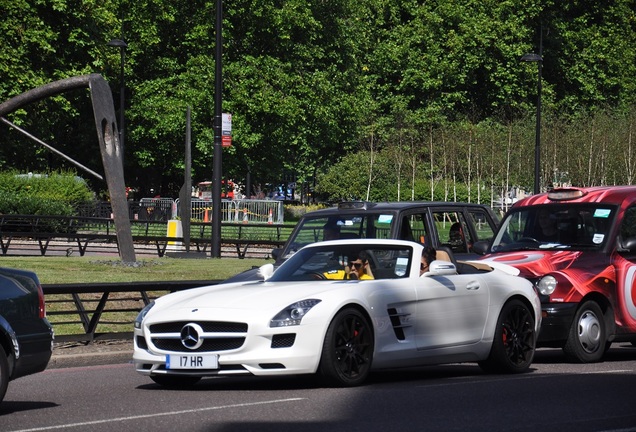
109	145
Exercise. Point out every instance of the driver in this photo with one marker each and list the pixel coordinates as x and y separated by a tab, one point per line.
547	227
359	268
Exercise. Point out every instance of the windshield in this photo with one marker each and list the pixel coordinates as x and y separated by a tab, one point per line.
352	261
352	226
561	226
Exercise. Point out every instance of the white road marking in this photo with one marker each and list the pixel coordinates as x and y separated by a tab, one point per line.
171	413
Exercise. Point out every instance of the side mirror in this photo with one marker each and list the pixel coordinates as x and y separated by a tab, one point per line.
266	271
481	247
627	245
441	268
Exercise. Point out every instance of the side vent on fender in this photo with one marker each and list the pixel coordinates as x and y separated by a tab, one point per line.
397	321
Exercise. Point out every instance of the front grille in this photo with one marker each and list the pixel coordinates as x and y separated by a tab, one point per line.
220	344
214	335
207	326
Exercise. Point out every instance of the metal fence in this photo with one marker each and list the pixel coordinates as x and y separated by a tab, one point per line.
164	209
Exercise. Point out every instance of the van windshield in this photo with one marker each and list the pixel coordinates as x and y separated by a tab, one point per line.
351	226
561	226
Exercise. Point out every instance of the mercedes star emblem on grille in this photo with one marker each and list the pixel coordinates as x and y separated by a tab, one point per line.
190	336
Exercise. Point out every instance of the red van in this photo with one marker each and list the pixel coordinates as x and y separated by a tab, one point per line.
578	246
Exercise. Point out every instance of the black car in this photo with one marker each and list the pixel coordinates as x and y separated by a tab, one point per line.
452	225
26	336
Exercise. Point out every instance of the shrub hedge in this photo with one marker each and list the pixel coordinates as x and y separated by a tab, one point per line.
54	194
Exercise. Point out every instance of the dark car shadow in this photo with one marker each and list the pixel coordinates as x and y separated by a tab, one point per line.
9	407
618	352
305	382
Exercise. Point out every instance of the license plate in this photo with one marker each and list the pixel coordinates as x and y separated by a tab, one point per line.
192	361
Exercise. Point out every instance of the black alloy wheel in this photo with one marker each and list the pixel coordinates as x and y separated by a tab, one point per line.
514	341
347	351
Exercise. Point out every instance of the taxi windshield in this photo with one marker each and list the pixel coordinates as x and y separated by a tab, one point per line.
559	226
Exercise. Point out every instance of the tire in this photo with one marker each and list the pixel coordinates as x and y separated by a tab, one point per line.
347	351
514	341
4	373
587	338
175	381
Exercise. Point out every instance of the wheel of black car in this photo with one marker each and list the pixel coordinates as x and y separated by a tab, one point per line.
4	373
175	381
347	351
514	341
588	337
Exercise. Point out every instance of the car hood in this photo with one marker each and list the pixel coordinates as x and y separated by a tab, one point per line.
252	296
536	263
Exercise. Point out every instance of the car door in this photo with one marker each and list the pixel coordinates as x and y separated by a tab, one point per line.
451	310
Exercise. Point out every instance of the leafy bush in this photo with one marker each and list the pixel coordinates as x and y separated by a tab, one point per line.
295	212
55	194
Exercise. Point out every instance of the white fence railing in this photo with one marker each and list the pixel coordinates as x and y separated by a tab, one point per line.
246	211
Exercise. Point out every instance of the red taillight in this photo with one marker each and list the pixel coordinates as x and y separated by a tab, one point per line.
41	305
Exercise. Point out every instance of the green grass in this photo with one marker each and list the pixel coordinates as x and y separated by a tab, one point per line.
95	269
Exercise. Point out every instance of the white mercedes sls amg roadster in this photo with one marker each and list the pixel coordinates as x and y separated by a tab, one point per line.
342	309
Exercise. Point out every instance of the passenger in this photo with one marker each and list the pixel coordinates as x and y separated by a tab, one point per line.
359	268
330	231
456	234
428	255
457	239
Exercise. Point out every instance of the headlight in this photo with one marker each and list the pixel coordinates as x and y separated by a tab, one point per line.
142	314
293	314
547	285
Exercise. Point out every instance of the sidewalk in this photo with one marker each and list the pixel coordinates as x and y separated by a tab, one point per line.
102	352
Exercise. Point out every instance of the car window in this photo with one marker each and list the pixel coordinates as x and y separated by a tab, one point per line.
413	228
335	262
480	221
452	230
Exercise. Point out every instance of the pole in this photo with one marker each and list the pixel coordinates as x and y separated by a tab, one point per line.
215	250
537	145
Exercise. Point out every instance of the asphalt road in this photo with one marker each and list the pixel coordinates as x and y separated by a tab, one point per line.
554	396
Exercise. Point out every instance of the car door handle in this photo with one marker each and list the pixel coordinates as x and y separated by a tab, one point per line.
472	286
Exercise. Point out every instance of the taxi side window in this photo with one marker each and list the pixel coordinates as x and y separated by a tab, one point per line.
628	226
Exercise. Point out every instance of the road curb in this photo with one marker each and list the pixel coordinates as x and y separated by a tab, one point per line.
60	361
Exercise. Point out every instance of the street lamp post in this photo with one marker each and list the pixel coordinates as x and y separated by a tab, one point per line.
122	48
215	247
537	146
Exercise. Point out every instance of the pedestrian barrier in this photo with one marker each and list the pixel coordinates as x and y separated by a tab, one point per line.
81	232
82	309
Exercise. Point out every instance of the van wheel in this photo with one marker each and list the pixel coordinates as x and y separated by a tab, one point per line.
588	337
